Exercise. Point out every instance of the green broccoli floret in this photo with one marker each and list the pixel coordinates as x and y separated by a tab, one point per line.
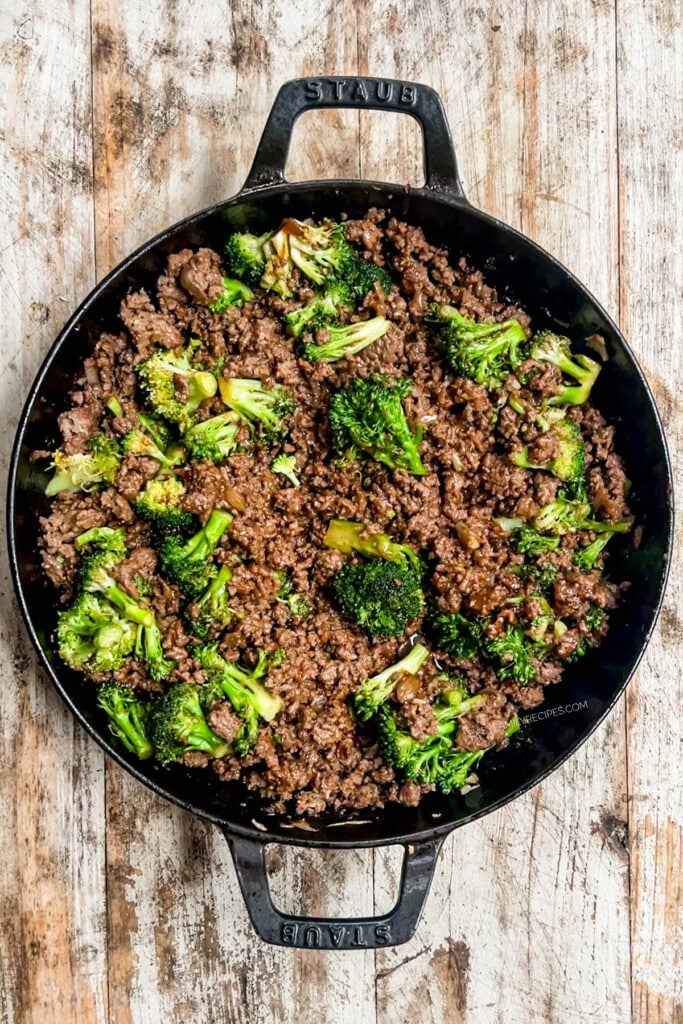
179	725
569	463
106	538
127	717
92	636
562	516
513	652
249	697
367	417
345	341
382	597
455	634
375	690
212	610
85	471
139	442
95	577
160	506
528	541
143	585
157	376
320	311
264	410
435	759
286	466
234	294
594	618
485	353
187	563
213	439
323	254
159	431
587	556
286	594
352	538
246	256
543	576
547	347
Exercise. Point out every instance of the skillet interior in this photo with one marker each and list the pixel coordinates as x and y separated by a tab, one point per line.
543	287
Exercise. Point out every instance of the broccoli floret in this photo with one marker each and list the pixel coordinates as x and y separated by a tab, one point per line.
188	563
246	256
127	717
587	556
245	691
594	618
382	597
320	311
106	538
95	577
139	442
85	471
513	652
143	585
455	634
157	380
346	341
569	463
159	431
323	253
263	410
160	506
367	417
286	466
485	353
212	610
213	439
528	541
352	538
543	576
547	347
375	690
561	516
286	594
234	294
433	760
92	636
179	725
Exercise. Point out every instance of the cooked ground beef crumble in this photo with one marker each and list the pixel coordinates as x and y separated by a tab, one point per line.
314	758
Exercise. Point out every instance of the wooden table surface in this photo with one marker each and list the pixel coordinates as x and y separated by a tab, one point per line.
121	116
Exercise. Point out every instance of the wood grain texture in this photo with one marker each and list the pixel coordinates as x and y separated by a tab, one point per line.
52	907
650	111
564	907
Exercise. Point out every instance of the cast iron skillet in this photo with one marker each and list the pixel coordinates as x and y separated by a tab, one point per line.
520	269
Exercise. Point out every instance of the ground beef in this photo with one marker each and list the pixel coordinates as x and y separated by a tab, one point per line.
314	757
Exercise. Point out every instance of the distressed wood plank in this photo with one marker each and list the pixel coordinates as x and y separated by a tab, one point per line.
528	919
179	109
650	100
52	914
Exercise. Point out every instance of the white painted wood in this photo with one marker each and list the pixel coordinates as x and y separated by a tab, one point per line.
650	66
565	119
52	896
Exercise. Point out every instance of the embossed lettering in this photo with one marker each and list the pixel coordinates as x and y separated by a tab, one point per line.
359	936
313	91
339	89
337	934
359	92
312	936
382	934
384	90
289	934
407	95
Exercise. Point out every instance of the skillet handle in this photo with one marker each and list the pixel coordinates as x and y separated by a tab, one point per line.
302	94
280	929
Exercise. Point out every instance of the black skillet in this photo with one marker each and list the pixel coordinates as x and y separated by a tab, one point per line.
554	297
